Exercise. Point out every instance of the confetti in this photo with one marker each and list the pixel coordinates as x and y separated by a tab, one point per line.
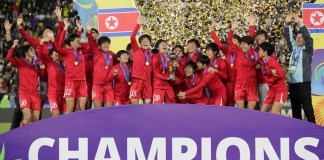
177	21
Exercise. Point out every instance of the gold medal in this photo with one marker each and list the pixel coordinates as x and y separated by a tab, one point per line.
129	83
147	63
76	63
232	64
106	67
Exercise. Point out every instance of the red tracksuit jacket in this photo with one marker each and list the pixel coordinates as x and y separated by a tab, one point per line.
219	64
100	57
56	78
160	80
28	74
246	63
231	58
140	69
89	64
121	87
275	82
211	81
72	72
198	97
46	47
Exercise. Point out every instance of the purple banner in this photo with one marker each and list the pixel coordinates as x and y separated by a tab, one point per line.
318	72
165	132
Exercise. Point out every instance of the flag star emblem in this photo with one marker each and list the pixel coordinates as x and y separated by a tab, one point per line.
111	22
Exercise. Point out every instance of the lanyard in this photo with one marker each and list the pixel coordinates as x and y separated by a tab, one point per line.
192	81
30	64
206	89
49	46
251	59
215	62
77	55
164	62
264	65
296	54
60	67
147	55
204	72
125	73
34	62
232	58
107	57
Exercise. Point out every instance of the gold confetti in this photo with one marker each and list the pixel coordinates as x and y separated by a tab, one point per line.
180	20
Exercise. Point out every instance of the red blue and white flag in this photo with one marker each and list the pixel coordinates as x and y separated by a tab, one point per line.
117	22
313	17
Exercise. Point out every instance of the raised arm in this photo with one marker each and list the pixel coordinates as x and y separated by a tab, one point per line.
251	20
233	47
92	43
60	50
10	57
309	42
60	42
33	41
79	26
60	28
45	58
217	41
134	33
288	34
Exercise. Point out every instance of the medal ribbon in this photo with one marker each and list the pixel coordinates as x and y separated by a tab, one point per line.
125	73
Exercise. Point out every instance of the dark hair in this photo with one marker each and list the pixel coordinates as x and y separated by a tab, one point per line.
50	28
24	49
203	59
194	41
157	44
66	42
214	47
155	51
248	40
94	30
103	39
128	47
260	32
71	38
297	32
121	52
51	51
144	36
178	46
266	46
237	37
191	64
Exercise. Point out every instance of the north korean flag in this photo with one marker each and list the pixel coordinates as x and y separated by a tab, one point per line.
117	22
313	17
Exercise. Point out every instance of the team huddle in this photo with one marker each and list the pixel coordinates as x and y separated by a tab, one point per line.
79	73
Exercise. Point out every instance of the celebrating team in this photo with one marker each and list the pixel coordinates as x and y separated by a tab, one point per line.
78	73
